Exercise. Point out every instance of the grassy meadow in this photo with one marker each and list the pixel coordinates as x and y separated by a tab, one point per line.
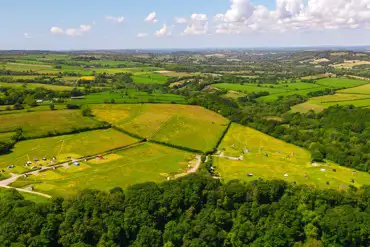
75	146
40	123
129	96
270	158
142	163
149	78
187	126
36	85
320	103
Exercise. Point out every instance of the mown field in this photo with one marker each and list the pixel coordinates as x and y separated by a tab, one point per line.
142	163
149	78
36	85
286	89
40	123
320	103
187	126
75	146
270	158
129	96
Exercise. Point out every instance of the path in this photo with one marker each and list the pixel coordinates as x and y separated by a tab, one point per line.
196	167
229	157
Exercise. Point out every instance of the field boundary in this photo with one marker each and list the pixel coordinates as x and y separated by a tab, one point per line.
222	136
176	146
128	133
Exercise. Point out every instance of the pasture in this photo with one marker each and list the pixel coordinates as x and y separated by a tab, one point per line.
75	146
187	126
149	78
349	64
41	123
340	82
129	96
143	163
36	85
270	158
318	104
364	89
6	137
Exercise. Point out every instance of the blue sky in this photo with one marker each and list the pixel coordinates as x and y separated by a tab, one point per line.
45	24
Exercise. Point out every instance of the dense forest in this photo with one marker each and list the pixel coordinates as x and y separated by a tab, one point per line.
193	211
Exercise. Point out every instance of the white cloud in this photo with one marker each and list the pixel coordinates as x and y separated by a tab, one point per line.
85	28
142	35
56	30
152	18
72	31
27	36
292	15
117	20
163	31
181	20
197	25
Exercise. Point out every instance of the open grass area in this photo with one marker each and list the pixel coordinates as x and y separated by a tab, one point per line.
6	137
40	123
187	126
75	146
142	163
36	85
320	103
364	89
31	197
129	96
340	82
149	78
270	158
349	64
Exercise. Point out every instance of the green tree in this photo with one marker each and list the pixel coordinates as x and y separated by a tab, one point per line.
86	111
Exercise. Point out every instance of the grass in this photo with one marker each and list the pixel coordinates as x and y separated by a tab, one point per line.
130	96
36	124
6	137
187	126
32	197
143	163
318	104
75	146
36	85
292	160
340	82
149	78
364	89
349	64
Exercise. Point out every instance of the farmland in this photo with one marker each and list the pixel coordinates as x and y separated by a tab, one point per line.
41	123
36	85
149	78
129	96
142	163
340	82
187	126
75	146
269	158
364	89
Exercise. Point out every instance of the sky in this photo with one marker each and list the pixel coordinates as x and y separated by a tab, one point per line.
158	24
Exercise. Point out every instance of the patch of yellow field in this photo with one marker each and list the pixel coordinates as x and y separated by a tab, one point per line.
87	78
349	64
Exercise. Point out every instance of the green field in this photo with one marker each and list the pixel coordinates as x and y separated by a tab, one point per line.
36	85
61	147
364	89
142	163
340	82
187	126
320	103
270	158
149	78
129	96
40	123
5	137
32	197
